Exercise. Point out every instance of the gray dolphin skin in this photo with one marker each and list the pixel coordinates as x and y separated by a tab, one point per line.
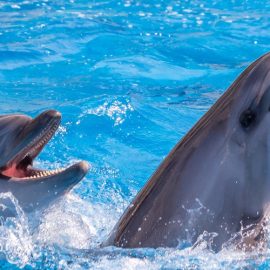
215	181
21	140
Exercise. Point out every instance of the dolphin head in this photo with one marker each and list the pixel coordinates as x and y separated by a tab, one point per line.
217	177
249	98
21	140
248	132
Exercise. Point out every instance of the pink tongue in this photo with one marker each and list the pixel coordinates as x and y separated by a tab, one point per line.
14	172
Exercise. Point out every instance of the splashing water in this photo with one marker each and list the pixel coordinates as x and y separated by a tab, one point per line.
15	240
71	231
115	110
130	77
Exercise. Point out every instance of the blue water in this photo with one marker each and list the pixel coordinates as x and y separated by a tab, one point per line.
130	78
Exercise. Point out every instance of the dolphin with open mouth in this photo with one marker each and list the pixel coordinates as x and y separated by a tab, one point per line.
215	183
21	140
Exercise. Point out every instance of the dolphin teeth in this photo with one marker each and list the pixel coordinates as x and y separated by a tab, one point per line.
39	141
45	173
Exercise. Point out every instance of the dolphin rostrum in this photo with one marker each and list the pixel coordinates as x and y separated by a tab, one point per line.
21	140
216	180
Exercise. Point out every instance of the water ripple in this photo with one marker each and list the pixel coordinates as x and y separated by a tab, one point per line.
130	77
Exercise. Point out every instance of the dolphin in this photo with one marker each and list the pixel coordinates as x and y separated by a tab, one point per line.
21	140
215	181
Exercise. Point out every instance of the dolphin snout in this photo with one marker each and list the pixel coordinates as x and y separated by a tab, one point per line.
70	176
76	172
83	167
48	116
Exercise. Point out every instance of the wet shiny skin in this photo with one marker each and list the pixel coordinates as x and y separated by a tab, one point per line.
130	79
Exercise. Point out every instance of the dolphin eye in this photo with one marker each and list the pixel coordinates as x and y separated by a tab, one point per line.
247	118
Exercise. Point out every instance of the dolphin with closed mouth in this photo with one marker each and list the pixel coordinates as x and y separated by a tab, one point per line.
21	140
216	180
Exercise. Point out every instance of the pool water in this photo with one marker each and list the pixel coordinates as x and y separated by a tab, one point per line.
130	78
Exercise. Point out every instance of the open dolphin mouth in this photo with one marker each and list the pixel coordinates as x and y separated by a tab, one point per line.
20	166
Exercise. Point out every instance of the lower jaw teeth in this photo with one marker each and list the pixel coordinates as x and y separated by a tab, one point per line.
46	173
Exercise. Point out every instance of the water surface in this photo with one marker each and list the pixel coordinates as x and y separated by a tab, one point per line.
130	78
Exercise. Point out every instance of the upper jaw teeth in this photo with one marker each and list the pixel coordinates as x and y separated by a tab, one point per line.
35	147
40	141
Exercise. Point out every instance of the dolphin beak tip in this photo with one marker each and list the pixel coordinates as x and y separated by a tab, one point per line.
84	167
53	114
